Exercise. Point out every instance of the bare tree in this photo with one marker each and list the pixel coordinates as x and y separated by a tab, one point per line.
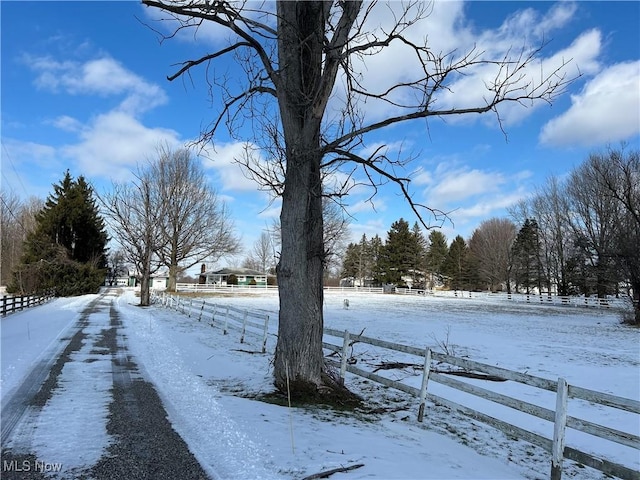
292	58
594	217
196	225
17	220
134	213
490	244
550	207
262	255
618	173
116	266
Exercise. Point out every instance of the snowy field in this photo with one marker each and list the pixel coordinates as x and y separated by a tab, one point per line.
208	383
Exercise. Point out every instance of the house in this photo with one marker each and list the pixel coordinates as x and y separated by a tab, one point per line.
244	276
158	280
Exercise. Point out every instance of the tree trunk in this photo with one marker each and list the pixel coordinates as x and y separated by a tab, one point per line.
145	280
299	356
173	275
299	364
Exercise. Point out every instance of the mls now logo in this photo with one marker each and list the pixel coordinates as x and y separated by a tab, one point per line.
30	466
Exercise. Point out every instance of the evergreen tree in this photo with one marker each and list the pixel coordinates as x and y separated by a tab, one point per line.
436	254
375	251
455	264
526	257
419	254
396	258
350	261
67	250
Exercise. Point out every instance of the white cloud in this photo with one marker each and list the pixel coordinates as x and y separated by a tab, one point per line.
461	184
224	159
446	30
103	76
606	110
114	143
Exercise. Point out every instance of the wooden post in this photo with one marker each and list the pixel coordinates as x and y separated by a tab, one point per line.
265	333
343	363
226	319
201	309
559	428
425	380
213	315
190	307
4	305
244	326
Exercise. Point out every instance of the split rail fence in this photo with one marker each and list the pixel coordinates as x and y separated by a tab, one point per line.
11	303
560	418
534	299
257	325
251	324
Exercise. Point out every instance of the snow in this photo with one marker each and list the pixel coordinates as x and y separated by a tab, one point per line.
208	386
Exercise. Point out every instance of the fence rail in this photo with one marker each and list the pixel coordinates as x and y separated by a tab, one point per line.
533	299
248	323
13	303
559	417
257	325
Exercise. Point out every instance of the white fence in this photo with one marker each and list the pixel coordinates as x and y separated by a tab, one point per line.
211	288
556	446
533	299
257	325
249	324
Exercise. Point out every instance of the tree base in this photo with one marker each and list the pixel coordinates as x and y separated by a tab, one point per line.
330	392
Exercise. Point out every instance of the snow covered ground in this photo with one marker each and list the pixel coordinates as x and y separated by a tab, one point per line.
208	383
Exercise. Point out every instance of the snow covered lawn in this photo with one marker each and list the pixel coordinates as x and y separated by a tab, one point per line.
208	382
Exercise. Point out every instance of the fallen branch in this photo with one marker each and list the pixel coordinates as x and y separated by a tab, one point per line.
328	473
479	376
394	365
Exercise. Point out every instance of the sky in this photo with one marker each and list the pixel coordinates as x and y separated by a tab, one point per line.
207	382
84	88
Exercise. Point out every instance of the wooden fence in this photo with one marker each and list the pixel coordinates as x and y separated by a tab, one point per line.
11	303
245	322
533	299
251	324
556	446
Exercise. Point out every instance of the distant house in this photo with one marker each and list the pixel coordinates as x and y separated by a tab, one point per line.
158	281
244	276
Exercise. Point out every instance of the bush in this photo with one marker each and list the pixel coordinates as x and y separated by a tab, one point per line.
66	277
232	280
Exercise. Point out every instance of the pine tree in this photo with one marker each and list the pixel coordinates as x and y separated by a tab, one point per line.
526	257
436	255
455	265
67	250
419	254
398	255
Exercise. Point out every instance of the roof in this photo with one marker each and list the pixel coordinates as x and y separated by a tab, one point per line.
236	271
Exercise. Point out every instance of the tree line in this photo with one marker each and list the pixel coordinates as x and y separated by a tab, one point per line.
167	216
579	235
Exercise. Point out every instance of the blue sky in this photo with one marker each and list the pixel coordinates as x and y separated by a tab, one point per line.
84	88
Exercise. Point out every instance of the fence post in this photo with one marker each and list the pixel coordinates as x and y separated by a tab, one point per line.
244	325
190	307
4	305
559	427
343	363
213	315
201	309
226	319
264	334
425	380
